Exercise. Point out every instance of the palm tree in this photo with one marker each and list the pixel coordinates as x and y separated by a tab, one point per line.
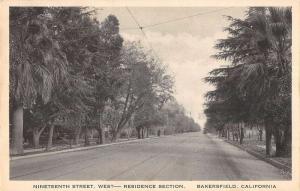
37	64
261	46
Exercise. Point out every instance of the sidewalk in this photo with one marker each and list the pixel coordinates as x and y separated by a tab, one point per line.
285	164
64	149
64	146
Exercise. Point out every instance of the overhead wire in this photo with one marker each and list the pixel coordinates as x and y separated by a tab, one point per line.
171	20
144	34
141	28
186	17
135	20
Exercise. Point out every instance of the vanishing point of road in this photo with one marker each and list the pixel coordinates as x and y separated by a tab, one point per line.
190	156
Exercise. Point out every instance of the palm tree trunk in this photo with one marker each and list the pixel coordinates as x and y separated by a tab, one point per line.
17	131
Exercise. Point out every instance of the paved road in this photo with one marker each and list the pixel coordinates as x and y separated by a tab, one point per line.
191	156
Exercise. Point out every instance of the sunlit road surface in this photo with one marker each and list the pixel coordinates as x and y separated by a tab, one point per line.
190	156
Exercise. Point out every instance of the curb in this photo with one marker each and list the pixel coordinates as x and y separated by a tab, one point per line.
77	149
262	157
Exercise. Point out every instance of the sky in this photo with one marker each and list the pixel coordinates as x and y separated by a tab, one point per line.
185	46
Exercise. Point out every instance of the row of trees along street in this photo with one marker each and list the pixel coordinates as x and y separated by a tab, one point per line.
254	90
73	77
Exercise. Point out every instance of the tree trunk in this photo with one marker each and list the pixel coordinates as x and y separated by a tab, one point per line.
86	137
17	131
268	130
147	132
279	143
228	134
288	141
260	134
115	135
238	133
138	132
101	136
36	139
128	134
282	139
91	133
50	137
142	132
242	134
77	135
36	136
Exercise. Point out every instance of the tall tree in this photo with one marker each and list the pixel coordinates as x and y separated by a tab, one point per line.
37	64
144	76
259	48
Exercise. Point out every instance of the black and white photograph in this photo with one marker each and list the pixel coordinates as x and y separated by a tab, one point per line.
150	93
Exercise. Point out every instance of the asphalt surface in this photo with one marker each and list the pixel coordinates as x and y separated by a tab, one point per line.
190	156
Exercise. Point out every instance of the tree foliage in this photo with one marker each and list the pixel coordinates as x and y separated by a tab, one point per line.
72	73
256	86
